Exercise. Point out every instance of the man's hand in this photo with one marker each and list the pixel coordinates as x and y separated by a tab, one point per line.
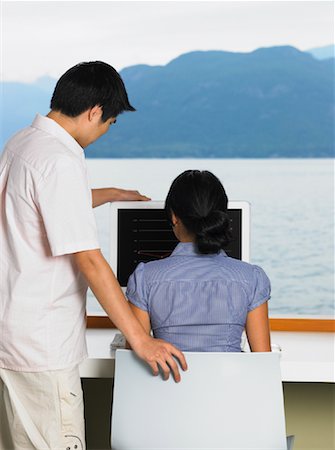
128	195
108	292
104	195
158	353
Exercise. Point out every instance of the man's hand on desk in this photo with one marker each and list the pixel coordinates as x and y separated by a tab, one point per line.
158	353
104	195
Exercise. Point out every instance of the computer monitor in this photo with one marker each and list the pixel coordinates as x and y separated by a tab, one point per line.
141	232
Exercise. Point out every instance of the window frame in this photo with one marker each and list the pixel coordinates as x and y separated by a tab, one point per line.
276	324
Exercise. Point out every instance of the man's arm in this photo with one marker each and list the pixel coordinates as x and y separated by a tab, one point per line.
107	290
104	195
258	329
142	316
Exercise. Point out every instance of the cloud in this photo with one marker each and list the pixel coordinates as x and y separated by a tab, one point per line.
46	38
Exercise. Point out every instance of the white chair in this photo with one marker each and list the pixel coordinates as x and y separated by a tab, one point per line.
225	401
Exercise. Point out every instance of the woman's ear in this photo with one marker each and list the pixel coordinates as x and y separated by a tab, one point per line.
174	219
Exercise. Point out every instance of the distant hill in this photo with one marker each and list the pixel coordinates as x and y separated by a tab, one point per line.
323	52
273	102
21	101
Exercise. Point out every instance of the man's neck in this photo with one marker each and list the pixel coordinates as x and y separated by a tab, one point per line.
70	124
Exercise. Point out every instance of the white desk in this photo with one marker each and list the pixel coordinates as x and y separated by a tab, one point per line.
306	356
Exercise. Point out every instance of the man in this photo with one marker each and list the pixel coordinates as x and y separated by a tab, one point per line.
49	255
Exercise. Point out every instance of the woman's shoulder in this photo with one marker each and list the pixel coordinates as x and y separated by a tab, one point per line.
243	267
170	268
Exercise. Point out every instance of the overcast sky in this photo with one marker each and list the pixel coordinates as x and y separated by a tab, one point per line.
46	38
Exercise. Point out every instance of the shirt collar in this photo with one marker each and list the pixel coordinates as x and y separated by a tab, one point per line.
51	127
190	249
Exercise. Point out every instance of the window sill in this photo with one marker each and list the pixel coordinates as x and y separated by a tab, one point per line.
276	324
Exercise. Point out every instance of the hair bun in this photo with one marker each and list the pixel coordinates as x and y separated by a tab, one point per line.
199	200
213	232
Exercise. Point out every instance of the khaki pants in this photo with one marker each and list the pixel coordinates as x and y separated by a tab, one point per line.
42	410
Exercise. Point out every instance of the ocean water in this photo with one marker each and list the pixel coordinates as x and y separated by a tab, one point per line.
292	211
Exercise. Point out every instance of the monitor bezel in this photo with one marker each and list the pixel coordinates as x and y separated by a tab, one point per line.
159	204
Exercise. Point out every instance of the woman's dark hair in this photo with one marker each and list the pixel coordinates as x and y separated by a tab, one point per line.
199	200
89	84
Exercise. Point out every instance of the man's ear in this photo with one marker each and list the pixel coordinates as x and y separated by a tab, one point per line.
94	113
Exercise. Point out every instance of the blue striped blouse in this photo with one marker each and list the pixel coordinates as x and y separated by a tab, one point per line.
198	302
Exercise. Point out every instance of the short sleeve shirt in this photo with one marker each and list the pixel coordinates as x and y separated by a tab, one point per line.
198	302
46	216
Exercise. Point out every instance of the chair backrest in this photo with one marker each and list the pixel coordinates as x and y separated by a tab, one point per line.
224	401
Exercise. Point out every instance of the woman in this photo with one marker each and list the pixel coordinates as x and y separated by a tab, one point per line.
199	299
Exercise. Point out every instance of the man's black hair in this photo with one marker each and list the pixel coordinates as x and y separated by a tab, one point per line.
89	84
199	200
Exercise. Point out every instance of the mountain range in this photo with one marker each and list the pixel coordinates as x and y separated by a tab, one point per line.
272	102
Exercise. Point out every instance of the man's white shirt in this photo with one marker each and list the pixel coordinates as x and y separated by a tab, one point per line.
46	215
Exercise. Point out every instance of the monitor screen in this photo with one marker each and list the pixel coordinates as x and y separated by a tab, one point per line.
142	233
